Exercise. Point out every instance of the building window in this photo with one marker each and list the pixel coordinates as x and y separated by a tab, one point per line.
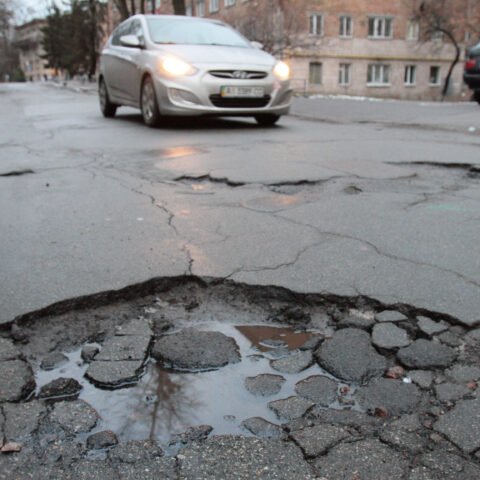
380	27
378	74
410	75
200	8
229	3
437	36
214	6
344	74
412	30
434	76
345	26
316	24
315	73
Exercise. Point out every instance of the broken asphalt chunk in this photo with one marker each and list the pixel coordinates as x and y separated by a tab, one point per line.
291	407
426	354
263	429
192	434
101	440
317	440
390	316
74	417
136	327
114	374
405	433
54	360
17	380
461	425
60	388
451	392
395	396
196	350
8	351
294	362
388	336
22	419
429	327
124	348
349	355
318	388
265	384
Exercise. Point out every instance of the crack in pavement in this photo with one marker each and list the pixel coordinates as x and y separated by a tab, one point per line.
280	265
365	242
377	250
208	178
171	216
470	167
17	173
3	417
234	184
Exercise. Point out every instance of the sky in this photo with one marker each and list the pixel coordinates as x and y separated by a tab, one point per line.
26	10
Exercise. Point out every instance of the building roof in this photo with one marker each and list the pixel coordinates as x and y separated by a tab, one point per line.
36	22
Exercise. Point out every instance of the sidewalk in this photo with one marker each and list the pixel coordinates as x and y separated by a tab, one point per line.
450	116
76	86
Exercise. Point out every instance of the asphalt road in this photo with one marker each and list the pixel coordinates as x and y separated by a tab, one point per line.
343	197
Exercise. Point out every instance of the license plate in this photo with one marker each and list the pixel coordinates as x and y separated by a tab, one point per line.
250	92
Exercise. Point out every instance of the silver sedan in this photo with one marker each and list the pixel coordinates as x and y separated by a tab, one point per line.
173	65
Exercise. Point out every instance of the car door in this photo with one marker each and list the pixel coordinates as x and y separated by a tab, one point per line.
134	58
123	65
112	63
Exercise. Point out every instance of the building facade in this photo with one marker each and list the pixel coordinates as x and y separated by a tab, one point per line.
373	48
28	40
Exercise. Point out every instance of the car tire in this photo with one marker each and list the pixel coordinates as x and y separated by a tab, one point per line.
108	108
476	96
267	119
149	103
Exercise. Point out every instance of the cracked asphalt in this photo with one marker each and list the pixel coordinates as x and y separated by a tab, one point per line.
289	302
378	199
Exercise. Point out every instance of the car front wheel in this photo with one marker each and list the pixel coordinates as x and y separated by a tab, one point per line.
106	106
150	111
267	119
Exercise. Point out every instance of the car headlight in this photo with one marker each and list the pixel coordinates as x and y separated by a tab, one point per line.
282	71
175	67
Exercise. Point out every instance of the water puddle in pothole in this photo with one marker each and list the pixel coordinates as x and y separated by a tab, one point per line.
164	403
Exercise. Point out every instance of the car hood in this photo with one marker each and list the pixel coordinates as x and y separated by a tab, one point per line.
212	54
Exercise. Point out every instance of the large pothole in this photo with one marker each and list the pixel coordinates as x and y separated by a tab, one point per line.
174	361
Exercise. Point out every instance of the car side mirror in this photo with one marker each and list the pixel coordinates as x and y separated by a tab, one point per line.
257	45
130	41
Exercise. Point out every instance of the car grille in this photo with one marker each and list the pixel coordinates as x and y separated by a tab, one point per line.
238	74
239	102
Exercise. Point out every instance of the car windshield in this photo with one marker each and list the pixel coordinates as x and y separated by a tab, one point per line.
189	32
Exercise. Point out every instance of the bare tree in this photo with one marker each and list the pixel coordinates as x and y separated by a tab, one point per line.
441	17
179	7
8	54
122	7
277	24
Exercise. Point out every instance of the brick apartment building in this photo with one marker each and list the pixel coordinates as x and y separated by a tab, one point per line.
352	47
28	40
